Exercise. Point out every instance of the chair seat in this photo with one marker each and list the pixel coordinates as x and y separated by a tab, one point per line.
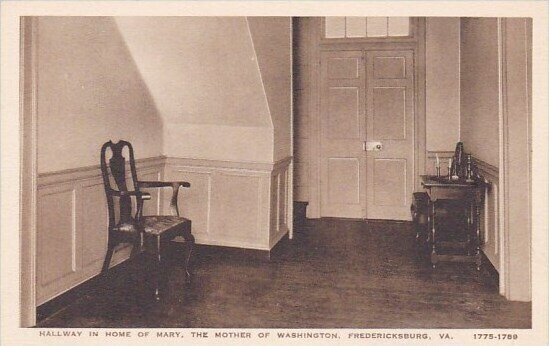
159	224
155	225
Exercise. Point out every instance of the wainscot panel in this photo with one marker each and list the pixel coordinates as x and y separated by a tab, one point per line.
490	225
279	207
72	226
236	204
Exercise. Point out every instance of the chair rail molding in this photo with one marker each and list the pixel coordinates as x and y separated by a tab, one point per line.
90	172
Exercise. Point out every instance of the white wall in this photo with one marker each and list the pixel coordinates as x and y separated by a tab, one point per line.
480	89
442	83
219	142
89	91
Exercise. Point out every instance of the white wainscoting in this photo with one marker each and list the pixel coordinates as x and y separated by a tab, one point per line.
280	202
72	226
236	204
490	216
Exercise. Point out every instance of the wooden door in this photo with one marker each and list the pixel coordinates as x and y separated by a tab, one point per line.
367	102
342	133
389	122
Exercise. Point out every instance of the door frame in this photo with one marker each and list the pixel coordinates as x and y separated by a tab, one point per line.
509	199
316	45
29	172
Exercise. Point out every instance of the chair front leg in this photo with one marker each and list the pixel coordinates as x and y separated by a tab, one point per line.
108	258
137	246
158	267
190	242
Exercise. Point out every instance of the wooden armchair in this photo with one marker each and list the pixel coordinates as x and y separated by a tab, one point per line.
147	233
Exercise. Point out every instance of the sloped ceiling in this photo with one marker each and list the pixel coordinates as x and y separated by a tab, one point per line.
200	70
272	40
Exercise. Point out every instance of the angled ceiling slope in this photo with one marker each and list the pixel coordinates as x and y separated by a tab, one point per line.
271	37
200	70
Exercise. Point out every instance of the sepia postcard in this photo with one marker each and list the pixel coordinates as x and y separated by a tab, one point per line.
274	172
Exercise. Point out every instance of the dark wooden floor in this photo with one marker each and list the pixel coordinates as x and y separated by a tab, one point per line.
335	273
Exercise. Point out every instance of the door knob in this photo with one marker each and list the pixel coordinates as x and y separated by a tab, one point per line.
373	146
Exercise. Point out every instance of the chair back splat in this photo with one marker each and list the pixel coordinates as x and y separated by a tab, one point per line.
117	168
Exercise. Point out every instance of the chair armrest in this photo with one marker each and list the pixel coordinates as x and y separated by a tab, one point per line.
174	184
175	187
140	194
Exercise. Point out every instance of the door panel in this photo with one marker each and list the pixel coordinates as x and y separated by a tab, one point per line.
344	180
343	113
389	67
389	113
389	173
390	120
342	132
343	68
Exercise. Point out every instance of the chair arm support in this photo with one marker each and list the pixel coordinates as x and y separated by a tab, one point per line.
175	187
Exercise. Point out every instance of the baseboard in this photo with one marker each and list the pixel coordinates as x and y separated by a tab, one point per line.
275	251
237	253
489	268
300	210
387	220
364	220
232	253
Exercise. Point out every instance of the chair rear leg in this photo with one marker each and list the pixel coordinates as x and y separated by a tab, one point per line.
136	249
